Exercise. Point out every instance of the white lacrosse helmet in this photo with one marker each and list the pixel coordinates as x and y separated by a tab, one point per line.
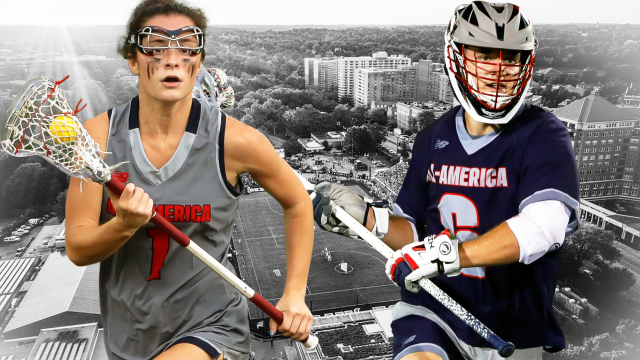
496	26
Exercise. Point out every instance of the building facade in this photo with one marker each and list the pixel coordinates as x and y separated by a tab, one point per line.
308	72
406	111
605	141
547	74
334	139
322	72
444	92
347	67
325	72
384	86
429	84
380	78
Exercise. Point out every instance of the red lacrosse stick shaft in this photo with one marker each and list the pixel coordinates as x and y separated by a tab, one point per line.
182	239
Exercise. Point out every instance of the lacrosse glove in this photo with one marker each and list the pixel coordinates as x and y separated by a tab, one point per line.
329	195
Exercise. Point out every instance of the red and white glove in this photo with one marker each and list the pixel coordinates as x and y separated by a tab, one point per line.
431	257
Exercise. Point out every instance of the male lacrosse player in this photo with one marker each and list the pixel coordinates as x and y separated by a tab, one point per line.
156	299
495	180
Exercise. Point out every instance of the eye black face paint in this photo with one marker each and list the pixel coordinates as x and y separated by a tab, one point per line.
189	66
152	65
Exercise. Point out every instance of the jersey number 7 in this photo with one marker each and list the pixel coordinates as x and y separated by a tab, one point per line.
159	250
459	214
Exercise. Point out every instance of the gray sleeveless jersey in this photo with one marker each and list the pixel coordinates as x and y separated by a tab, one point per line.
152	290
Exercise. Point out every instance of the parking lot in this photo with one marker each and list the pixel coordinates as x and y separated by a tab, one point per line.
340	163
32	240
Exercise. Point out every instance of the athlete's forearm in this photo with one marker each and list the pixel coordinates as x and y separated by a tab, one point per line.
497	247
298	233
87	244
400	232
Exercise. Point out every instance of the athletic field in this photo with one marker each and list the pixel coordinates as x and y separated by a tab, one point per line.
259	240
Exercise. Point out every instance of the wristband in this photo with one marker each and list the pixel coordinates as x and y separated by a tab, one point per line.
381	226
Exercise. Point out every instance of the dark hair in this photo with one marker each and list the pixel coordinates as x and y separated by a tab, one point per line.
150	8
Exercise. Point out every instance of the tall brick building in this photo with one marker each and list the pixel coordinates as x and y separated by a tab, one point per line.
605	141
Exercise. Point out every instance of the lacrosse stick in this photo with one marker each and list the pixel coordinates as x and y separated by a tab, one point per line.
40	122
212	86
505	349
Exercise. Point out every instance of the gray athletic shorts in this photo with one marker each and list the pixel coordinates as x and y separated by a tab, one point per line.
213	349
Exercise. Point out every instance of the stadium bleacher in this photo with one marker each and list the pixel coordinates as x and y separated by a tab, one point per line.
353	338
386	184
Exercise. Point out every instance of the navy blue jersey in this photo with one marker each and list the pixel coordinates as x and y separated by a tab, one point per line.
472	185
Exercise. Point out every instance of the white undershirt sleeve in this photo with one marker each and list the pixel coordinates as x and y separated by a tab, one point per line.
539	228
397	211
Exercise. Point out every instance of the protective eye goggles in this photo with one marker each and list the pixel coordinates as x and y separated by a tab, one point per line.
155	40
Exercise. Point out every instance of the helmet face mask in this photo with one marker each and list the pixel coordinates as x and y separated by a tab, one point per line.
489	58
491	78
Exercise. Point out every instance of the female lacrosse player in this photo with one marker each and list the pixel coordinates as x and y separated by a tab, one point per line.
157	300
497	180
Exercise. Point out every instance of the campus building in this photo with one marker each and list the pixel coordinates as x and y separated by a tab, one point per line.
59	316
547	74
407	111
605	140
380	79
430	86
334	139
325	72
308	72
347	67
443	85
385	85
62	294
321	72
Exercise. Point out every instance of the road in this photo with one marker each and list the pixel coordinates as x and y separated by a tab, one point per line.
36	247
631	260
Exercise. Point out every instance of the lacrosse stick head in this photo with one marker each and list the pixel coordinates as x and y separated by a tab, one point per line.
212	86
40	122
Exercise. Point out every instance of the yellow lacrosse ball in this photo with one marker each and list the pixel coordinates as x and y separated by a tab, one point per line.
62	128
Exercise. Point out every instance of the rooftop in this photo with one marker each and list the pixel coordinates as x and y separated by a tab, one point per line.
310	144
548	71
66	343
59	289
418	105
327	136
633	90
632	221
633	111
591	109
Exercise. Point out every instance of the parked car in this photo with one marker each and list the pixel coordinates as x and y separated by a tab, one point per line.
10	239
20	250
19	232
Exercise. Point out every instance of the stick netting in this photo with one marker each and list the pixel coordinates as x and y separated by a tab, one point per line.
41	122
